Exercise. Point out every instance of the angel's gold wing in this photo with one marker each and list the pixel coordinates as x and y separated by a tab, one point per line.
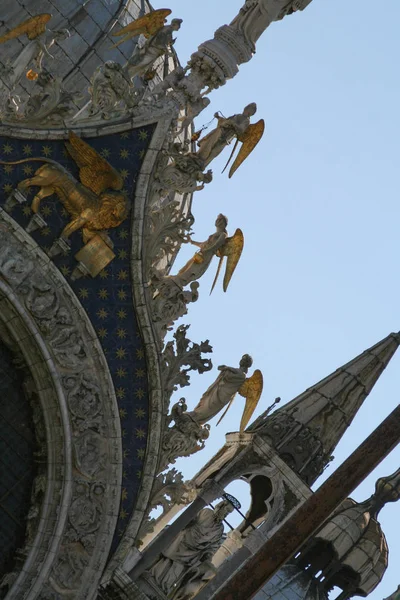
94	171
148	25
251	389
33	27
249	139
232	249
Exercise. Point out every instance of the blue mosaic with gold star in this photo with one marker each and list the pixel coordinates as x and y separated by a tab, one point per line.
106	298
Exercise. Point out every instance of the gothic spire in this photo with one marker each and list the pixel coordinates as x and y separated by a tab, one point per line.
307	429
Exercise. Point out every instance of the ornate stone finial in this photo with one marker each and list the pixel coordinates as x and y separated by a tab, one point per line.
387	489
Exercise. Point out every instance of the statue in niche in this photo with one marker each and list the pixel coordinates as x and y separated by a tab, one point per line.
194	545
237	126
222	392
217	244
159	38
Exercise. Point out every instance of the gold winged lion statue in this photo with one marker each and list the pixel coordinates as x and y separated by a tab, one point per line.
96	203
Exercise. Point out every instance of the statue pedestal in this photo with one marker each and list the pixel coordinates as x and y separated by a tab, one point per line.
36	222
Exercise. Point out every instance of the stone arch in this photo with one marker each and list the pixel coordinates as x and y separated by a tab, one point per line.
70	379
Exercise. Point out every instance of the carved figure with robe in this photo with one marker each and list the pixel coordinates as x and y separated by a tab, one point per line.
211	145
194	545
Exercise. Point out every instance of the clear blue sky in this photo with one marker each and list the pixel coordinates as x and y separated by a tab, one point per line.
318	202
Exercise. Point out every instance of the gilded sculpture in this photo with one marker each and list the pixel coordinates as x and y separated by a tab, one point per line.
158	40
96	203
217	244
222	392
40	40
237	126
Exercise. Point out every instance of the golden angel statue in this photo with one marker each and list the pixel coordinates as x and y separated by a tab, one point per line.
95	203
236	126
217	244
40	40
222	392
158	39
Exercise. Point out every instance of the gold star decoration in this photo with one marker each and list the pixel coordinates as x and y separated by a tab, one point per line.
121	333
26	211
8	169
140	373
140	453
121	353
7	148
27	150
102	313
124	153
124	494
65	270
125	135
140	353
105	152
126	453
143	135
123	234
139	474
121	314
47	150
122	274
103	294
7	187
141	153
121	295
45	231
27	170
102	333
46	211
83	293
103	274
140	433
124	173
140	413
121	372
123	514
139	393
122	254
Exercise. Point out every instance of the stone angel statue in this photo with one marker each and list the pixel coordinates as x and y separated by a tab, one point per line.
40	40
96	203
217	244
158	39
236	126
222	392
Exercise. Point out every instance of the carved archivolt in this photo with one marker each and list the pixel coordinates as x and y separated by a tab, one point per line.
68	545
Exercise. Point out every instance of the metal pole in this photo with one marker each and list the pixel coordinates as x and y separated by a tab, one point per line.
313	512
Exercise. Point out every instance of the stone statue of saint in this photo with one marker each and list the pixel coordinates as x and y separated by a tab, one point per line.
256	15
211	145
194	545
222	391
154	47
199	263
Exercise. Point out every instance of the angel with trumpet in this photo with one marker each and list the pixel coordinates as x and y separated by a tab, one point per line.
159	38
222	392
218	244
237	126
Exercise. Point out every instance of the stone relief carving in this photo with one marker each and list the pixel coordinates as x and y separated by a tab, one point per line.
179	566
184	174
180	356
168	489
184	438
96	458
